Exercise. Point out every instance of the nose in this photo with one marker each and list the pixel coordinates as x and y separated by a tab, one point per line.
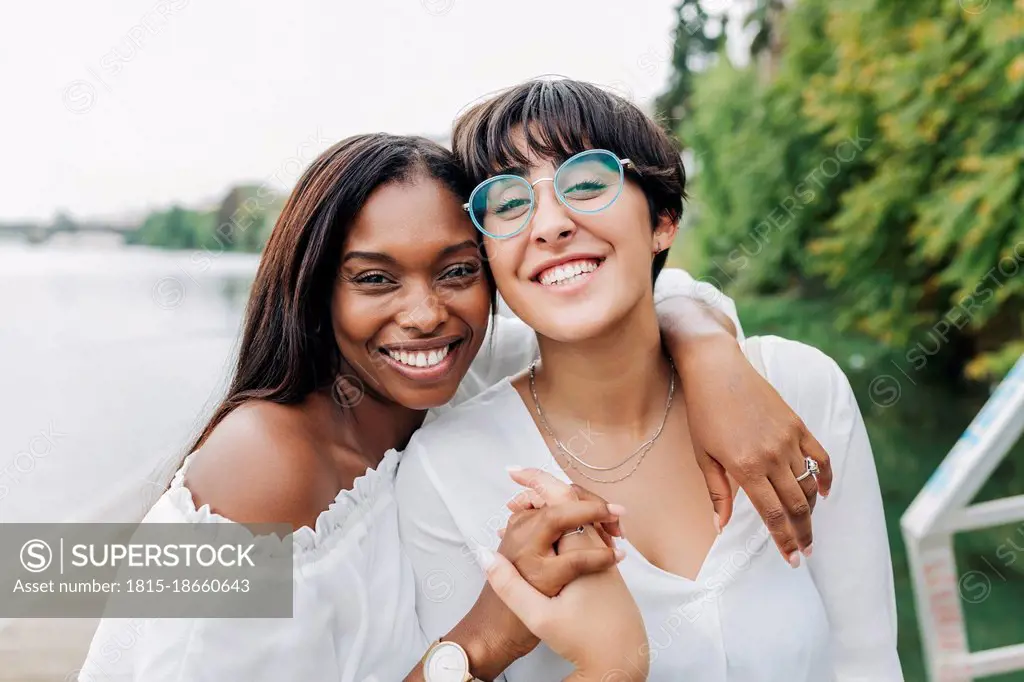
423	312
551	221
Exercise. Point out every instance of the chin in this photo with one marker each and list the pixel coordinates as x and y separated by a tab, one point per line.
575	327
425	398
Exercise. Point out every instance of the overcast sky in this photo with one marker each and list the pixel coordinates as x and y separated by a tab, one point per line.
112	107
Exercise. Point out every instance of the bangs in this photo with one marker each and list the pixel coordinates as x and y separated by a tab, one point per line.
556	119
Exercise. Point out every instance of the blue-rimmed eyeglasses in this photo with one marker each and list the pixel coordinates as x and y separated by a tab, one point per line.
588	182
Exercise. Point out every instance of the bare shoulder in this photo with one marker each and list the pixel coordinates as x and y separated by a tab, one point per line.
261	465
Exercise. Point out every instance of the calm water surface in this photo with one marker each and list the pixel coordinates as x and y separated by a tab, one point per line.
109	357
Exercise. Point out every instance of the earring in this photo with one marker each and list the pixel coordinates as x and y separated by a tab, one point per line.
657	247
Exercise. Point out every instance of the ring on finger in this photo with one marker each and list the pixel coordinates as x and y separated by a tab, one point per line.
573	532
812	469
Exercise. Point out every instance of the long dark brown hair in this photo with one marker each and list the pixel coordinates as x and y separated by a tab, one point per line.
288	349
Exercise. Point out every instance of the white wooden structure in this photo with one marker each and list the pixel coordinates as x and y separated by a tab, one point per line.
944	508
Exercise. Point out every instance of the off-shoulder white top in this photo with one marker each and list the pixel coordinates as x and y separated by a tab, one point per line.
354	590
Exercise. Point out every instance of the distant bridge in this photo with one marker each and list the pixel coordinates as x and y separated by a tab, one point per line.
35	233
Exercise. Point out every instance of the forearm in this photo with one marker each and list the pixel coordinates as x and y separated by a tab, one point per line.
685	321
610	670
697	336
416	675
483	663
613	675
491	636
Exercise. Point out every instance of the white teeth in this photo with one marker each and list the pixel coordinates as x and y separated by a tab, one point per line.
567	272
420	358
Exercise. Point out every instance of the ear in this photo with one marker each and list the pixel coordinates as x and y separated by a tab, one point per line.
665	231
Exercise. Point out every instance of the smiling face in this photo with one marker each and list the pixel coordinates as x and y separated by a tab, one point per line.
573	276
411	303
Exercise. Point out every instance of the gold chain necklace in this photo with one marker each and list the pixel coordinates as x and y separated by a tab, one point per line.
576	462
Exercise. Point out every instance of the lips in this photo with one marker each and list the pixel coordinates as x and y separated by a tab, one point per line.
423	360
568	272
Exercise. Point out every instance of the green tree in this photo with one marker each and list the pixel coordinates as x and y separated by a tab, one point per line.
176	228
694	45
882	164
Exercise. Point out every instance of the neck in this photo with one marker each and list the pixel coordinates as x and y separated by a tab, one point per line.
615	380
370	428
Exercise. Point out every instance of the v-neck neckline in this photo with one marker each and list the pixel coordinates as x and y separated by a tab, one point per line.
553	466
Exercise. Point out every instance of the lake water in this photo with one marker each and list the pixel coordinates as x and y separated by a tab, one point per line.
109	360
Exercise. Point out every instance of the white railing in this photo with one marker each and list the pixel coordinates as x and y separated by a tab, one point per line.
942	509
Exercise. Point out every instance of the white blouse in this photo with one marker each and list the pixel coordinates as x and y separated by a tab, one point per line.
354	590
748	616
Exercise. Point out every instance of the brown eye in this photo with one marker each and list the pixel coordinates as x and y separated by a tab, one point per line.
373	279
460	271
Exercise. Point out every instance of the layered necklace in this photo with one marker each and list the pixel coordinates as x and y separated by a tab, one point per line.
583	467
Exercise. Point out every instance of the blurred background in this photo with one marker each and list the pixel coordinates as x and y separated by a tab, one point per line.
855	183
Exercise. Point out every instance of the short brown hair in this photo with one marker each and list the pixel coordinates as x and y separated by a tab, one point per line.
563	117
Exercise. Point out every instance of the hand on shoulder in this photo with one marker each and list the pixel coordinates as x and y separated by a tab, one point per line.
261	465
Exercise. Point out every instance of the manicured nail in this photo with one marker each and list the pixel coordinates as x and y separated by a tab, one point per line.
616	509
808	548
485	557
824	495
794	559
619	555
513	467
718	523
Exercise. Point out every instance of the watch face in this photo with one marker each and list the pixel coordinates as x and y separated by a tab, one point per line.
446	663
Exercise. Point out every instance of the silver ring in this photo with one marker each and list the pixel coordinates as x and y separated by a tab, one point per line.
812	469
574	532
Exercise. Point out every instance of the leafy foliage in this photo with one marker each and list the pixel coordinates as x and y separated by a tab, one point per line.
242	222
881	164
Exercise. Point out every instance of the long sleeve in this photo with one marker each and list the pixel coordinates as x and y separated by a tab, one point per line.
851	564
447	574
452	489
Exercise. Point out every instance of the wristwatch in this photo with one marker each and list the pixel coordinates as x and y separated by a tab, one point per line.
446	662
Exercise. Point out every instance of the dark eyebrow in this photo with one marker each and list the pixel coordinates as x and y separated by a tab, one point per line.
448	250
369	255
514	170
389	260
524	172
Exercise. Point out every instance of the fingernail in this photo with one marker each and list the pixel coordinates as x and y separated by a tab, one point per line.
718	523
794	559
485	557
619	555
513	467
808	548
824	495
616	509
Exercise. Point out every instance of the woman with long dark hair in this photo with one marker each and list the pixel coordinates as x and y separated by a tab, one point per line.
371	303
